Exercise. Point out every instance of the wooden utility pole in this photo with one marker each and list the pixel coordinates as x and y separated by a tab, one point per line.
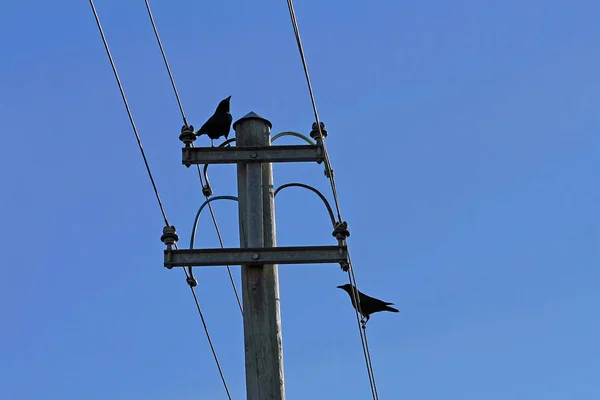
260	283
258	254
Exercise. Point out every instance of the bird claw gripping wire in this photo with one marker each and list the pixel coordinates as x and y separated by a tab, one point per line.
187	135
341	233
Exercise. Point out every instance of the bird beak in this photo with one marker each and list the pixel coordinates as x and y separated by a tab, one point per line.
339	287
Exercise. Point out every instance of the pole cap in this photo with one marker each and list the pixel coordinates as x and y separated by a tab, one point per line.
252	115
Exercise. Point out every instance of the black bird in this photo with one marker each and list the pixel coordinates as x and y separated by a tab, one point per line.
219	123
368	304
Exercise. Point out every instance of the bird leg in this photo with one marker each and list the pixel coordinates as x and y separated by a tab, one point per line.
212	144
364	321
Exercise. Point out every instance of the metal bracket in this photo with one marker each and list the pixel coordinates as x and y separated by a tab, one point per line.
233	155
256	256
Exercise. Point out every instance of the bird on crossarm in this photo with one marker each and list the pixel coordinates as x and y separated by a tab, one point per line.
368	304
219	124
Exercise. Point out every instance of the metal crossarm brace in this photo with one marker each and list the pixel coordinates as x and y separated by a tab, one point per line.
268	154
254	256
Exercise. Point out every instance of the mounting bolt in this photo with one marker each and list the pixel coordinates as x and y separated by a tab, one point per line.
169	237
253	155
255	256
187	135
320	154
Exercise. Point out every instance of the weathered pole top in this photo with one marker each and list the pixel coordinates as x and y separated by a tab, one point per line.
252	115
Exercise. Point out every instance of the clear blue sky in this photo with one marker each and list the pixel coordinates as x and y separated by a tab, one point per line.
465	140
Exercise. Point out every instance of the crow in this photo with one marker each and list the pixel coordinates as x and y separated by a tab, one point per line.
219	123
368	305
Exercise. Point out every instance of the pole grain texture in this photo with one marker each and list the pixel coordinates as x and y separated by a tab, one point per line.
260	284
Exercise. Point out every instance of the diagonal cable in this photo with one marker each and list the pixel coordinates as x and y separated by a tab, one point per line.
363	331
166	62
114	68
135	131
314	105
212	347
351	275
212	213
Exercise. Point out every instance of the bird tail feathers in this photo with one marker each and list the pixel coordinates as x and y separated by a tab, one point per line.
392	309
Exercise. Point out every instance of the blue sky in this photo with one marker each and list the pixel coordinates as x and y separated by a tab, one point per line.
464	137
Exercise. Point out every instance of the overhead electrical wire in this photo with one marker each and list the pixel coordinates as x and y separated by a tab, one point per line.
212	213
135	131
166	62
351	276
114	68
327	166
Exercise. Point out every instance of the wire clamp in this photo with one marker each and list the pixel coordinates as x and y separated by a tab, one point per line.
207	190
327	174
191	281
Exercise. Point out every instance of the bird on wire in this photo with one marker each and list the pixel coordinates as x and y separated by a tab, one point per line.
219	124
368	304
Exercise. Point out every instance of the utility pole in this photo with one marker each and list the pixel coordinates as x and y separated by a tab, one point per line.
260	283
258	254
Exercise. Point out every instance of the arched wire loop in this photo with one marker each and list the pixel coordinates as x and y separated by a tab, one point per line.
312	189
228	141
207	188
193	236
295	134
301	136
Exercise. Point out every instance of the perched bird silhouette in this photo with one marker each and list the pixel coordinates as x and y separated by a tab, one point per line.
368	304
219	123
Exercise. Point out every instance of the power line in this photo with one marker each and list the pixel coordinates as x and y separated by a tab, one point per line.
210	208
114	68
329	170
363	331
314	105
237	296
212	348
135	131
166	62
